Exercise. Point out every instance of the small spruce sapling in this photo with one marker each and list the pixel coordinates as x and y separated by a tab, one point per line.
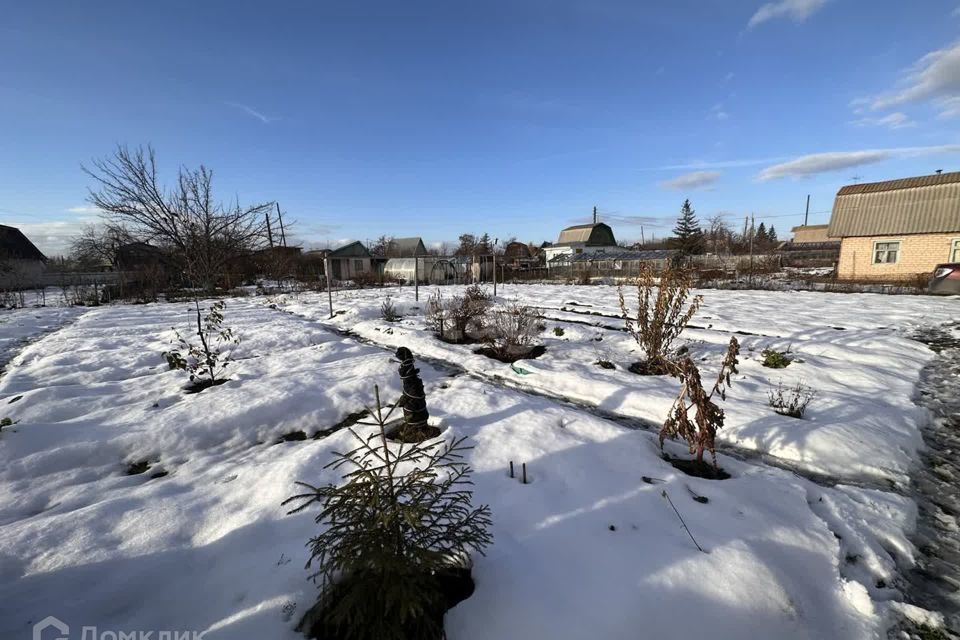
207	361
388	310
403	516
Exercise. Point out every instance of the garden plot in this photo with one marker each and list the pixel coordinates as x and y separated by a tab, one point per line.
591	547
19	326
850	348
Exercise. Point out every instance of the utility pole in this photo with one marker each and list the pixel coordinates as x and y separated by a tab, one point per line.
807	214
269	230
496	240
642	241
326	266
751	249
283	236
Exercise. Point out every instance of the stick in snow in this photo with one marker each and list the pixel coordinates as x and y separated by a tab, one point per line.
664	494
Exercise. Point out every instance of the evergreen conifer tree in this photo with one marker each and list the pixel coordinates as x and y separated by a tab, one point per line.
689	236
762	238
402	520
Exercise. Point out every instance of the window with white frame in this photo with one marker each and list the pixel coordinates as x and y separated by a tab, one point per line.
955	251
886	252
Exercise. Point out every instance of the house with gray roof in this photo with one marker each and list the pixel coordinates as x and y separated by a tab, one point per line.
897	229
21	263
579	239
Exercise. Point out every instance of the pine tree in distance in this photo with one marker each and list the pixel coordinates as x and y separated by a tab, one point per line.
689	236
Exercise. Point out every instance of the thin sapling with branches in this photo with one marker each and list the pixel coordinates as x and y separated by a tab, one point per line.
207	361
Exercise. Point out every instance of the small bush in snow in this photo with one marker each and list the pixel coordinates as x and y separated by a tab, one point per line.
477	293
206	361
402	518
700	433
456	318
388	311
791	401
513	330
776	359
558	331
365	279
662	314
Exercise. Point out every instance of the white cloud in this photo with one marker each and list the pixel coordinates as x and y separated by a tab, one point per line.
796	10
935	77
730	76
695	180
895	120
52	238
835	160
85	210
719	112
252	112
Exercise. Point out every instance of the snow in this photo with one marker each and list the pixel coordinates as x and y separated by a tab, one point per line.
209	548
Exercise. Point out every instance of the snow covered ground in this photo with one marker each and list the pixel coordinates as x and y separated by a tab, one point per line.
587	549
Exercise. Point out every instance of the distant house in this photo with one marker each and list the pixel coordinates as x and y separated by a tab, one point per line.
405	248
21	263
897	229
136	256
582	238
519	255
810	233
809	247
349	261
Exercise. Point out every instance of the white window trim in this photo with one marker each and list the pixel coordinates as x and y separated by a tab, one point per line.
954	247
873	254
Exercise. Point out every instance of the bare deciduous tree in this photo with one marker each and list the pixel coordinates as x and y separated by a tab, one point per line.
97	246
203	234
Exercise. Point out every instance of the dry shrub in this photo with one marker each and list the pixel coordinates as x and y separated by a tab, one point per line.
365	279
477	293
457	318
700	432
662	314
791	401
513	330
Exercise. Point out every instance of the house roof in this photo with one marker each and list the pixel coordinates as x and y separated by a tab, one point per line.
13	244
407	247
352	250
809	227
924	204
599	235
622	254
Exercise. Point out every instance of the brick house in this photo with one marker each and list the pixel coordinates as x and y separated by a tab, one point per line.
897	229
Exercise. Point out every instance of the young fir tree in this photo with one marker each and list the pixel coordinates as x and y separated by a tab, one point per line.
402	518
689	236
761	238
772	235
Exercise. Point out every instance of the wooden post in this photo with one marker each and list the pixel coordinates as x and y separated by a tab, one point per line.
494	272
326	267
416	279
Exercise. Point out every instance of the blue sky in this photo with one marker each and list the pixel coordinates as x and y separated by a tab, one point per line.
512	118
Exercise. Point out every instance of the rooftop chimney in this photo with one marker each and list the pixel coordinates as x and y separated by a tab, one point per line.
939	171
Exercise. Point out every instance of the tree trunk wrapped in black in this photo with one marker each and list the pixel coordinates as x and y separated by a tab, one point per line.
414	400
